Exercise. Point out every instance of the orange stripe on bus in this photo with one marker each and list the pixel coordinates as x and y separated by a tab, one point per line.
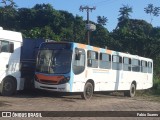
96	49
50	78
109	51
81	46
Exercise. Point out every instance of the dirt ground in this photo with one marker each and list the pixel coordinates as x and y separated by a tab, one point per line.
51	101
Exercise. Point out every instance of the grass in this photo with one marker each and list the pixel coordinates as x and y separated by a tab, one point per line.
150	94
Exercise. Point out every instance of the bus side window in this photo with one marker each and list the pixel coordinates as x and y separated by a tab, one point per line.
144	66
116	62
92	59
105	61
150	67
135	65
126	64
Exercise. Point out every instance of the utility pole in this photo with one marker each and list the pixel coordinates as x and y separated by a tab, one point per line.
88	9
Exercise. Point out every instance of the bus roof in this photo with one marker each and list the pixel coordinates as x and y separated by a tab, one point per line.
103	50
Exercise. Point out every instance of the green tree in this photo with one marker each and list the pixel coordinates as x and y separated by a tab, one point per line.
100	37
134	36
102	20
8	4
79	30
124	13
40	20
46	15
152	11
43	21
67	23
43	17
155	43
45	33
8	14
26	17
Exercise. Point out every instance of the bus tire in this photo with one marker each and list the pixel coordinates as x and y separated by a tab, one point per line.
88	91
8	87
131	92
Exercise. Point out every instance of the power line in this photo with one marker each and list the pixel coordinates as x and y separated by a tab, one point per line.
102	3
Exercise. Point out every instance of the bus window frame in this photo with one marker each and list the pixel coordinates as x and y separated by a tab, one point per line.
116	64
136	67
92	62
127	65
144	68
108	62
150	67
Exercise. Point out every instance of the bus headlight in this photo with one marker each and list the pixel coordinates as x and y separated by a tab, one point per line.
64	80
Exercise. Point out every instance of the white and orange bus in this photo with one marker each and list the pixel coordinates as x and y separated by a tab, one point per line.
74	67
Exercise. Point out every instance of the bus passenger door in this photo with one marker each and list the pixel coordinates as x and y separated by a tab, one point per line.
78	69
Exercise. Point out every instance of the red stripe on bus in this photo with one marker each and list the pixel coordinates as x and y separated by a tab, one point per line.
50	78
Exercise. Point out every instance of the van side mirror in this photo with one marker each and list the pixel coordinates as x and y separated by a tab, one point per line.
0	48
11	47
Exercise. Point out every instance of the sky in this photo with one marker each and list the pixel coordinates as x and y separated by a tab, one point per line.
107	8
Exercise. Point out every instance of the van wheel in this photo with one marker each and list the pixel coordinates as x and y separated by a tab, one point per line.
9	87
88	91
131	92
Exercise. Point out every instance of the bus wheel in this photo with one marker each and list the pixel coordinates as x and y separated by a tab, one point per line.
9	87
88	91
131	92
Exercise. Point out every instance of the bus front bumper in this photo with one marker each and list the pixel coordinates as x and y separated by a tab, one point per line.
58	88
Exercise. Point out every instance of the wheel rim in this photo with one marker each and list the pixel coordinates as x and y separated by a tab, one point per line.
132	90
89	92
7	86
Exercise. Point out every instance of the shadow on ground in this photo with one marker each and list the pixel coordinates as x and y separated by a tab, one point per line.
34	93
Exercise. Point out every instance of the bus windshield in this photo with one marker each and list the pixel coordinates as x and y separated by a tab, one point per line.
54	61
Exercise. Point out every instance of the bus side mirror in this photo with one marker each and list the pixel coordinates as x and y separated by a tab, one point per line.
77	54
11	47
0	48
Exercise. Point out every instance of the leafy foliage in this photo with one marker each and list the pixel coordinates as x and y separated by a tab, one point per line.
124	12
43	21
102	20
9	4
135	35
152	11
100	37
